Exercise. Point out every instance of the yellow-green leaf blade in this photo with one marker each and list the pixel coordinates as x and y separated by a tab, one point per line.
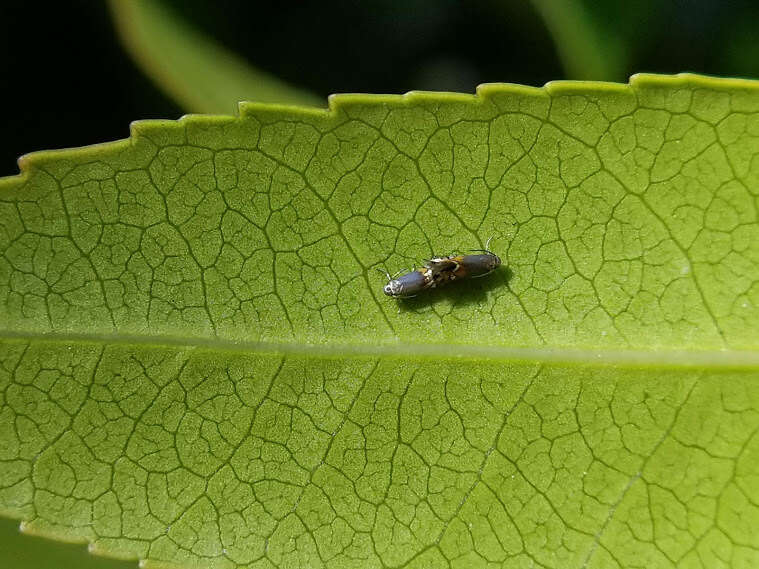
625	216
199	365
211	458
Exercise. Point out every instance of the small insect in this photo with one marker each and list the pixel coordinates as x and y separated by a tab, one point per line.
463	266
453	267
409	284
442	270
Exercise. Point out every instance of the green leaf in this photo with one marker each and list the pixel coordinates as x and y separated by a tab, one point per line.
198	73
199	366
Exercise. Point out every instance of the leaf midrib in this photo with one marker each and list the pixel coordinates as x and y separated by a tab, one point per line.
666	358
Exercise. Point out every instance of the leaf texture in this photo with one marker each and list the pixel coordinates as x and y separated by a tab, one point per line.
199	367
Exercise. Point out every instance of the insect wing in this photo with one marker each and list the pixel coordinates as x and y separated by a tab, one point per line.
442	264
479	265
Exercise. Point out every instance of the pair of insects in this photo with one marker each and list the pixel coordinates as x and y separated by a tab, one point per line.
442	270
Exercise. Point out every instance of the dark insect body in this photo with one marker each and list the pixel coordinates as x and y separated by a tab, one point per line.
409	284
455	267
442	270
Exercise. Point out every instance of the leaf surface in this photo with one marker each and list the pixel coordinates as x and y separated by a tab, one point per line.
200	368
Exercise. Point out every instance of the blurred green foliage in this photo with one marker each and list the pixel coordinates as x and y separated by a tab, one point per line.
197	72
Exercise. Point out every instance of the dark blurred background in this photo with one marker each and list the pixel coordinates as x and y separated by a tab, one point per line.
69	81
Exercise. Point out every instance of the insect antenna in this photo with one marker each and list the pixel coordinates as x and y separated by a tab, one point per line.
384	272
486	249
